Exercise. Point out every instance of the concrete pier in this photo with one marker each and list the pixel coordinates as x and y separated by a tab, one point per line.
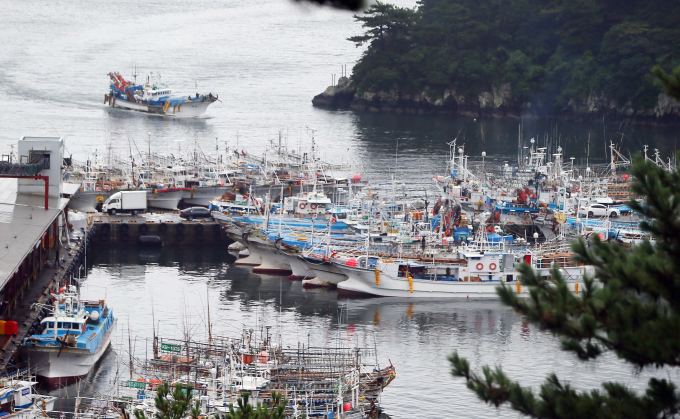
169	227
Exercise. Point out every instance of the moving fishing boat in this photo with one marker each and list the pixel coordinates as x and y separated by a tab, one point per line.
155	98
73	338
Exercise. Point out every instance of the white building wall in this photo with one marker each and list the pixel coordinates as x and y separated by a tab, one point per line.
55	147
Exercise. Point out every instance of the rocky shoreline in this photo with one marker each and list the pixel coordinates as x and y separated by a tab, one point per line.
494	104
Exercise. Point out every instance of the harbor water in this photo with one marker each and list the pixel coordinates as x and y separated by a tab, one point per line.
266	60
176	285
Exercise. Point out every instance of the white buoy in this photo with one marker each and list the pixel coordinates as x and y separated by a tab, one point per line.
94	315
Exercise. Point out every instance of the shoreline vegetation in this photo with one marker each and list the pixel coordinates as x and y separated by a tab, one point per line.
579	60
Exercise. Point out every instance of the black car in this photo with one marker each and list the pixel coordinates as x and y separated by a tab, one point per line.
195	212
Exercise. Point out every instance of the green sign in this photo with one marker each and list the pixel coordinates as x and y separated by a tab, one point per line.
171	348
136	384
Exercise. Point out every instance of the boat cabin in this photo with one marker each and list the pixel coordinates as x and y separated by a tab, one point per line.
62	325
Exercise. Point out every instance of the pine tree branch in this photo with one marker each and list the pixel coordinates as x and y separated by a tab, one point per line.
670	82
557	400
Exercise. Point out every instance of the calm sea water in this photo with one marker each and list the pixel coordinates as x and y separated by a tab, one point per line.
266	60
416	336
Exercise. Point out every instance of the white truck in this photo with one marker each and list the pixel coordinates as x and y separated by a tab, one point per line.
133	202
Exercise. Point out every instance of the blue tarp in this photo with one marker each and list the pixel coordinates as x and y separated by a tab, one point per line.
435	221
494	238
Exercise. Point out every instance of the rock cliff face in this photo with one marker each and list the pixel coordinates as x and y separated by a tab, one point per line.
338	96
496	103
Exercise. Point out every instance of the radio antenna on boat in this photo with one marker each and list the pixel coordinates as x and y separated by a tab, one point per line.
130	347
207	293
153	328
135	73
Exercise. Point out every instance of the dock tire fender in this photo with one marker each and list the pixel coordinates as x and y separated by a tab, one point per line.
179	228
198	228
124	228
163	227
216	228
106	228
143	228
125	237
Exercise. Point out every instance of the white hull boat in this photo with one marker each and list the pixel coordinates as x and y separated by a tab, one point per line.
187	110
88	200
71	363
167	199
301	271
253	257
274	262
325	274
202	195
472	278
71	340
154	98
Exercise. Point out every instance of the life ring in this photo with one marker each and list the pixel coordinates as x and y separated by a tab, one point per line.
333	220
492	266
480	266
312	206
303	205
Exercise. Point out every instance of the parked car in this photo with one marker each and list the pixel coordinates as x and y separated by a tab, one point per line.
195	212
599	210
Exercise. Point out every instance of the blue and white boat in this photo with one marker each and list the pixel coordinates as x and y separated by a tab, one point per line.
155	98
73	338
18	400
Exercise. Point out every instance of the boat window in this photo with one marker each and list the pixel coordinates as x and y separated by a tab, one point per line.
59	325
75	326
50	325
66	325
341	216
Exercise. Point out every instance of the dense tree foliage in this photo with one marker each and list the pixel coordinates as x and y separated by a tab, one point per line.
550	51
632	311
173	406
245	410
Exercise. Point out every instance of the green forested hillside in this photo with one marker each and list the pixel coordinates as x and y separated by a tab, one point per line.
550	51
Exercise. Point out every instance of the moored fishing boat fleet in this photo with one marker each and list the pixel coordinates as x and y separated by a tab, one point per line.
294	214
482	227
321	223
